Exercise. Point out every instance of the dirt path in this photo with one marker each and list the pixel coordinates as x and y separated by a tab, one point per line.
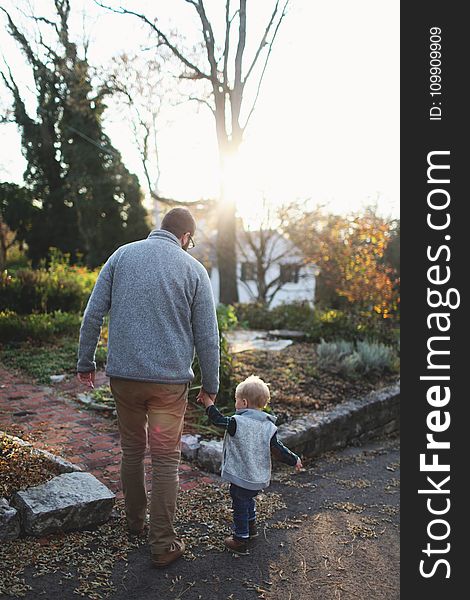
337	538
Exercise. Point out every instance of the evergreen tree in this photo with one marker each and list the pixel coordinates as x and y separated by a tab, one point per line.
16	214
88	201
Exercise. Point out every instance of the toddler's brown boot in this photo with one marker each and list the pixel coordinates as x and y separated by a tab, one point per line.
236	545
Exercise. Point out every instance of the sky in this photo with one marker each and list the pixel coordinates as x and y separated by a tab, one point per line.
326	126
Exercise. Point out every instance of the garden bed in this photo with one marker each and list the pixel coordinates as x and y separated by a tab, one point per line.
22	467
298	386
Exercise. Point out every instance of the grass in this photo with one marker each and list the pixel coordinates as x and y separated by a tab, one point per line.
42	361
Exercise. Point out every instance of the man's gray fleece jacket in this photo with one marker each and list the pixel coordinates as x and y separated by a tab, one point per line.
161	308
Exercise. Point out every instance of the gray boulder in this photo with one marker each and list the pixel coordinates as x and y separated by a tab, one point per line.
66	502
9	521
190	446
210	455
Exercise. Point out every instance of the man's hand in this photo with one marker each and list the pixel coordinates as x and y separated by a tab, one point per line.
87	379
298	465
205	398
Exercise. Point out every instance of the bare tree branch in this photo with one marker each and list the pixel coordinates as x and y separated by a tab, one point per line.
277	282
144	157
263	42
19	104
201	101
209	39
275	291
50	51
21	39
260	81
249	290
39	19
228	23
241	45
242	250
198	74
236	93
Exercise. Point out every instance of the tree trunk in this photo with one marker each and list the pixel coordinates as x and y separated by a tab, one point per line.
3	245
226	242
226	224
3	257
226	253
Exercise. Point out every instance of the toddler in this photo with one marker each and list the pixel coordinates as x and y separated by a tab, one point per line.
250	438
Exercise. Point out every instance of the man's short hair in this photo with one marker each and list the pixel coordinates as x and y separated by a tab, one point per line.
179	221
255	391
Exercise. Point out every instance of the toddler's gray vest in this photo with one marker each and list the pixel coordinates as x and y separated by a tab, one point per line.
246	458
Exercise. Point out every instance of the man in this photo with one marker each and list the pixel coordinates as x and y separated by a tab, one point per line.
161	309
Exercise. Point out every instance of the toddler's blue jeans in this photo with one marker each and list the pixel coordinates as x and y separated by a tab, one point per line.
244	509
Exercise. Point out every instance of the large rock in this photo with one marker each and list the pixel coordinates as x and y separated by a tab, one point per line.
190	446
9	521
209	456
66	502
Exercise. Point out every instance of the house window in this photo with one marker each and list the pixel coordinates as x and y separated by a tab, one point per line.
248	271
289	273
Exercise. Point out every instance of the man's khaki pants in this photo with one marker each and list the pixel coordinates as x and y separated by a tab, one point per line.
156	411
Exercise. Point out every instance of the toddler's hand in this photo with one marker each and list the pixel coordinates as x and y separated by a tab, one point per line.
298	465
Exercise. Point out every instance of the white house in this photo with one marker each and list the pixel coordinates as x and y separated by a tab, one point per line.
287	278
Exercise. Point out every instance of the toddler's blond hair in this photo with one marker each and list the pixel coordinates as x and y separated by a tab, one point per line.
255	391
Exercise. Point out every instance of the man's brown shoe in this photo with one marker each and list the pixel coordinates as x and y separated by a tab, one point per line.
162	560
236	545
138	532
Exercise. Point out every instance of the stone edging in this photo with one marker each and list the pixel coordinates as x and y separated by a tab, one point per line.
72	500
376	414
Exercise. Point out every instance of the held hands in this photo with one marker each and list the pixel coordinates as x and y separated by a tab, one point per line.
87	379
298	465
205	398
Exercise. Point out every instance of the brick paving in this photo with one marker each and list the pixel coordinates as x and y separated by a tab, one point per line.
53	420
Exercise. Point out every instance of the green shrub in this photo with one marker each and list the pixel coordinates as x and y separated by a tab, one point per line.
376	357
59	286
37	327
353	360
295	315
256	315
329	325
331	354
226	317
253	315
17	259
332	325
